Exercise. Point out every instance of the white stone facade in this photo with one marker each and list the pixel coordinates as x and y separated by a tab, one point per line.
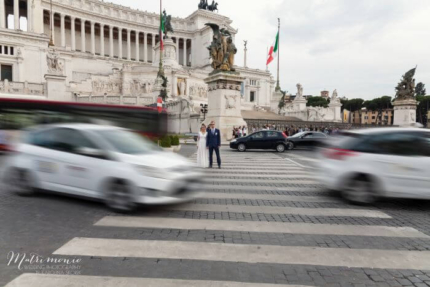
109	54
298	109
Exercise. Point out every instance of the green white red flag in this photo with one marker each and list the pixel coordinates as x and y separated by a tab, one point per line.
273	51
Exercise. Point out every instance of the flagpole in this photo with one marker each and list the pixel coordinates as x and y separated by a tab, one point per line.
160	40
278	88
267	65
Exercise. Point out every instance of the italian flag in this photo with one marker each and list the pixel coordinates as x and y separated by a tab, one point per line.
273	51
162	30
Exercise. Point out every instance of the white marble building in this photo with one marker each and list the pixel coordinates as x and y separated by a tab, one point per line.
108	54
298	109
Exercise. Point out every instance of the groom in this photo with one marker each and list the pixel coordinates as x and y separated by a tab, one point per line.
213	143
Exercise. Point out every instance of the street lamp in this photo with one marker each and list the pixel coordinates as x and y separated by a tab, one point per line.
204	110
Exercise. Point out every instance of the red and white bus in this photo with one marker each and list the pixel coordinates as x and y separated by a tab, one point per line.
16	114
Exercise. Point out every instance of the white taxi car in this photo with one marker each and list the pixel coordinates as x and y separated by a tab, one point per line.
383	162
104	163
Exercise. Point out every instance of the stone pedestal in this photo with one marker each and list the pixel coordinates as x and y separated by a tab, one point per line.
224	103
274	103
169	55
300	104
336	107
405	112
56	88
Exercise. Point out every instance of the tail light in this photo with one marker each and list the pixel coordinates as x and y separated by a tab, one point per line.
339	154
284	135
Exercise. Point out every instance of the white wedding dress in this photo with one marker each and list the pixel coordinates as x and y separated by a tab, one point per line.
202	151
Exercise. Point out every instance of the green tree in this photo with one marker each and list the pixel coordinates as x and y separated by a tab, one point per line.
379	104
352	105
317	102
420	90
423	109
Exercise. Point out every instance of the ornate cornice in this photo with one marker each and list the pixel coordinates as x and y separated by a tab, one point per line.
21	37
115	15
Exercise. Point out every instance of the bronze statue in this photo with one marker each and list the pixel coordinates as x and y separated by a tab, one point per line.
167	19
204	5
406	88
213	7
222	49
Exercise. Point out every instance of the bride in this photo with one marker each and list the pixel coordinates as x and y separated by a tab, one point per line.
202	151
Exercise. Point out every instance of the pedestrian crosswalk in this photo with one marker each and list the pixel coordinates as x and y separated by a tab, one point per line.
247	197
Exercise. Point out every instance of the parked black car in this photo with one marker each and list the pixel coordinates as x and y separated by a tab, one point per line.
261	140
306	139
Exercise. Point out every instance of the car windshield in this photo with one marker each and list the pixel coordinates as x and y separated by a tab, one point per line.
127	142
298	135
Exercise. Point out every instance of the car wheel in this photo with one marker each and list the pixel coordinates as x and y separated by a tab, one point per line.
280	148
359	190
290	146
241	147
19	181
119	197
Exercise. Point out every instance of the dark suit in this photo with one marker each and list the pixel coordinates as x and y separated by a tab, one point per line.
213	142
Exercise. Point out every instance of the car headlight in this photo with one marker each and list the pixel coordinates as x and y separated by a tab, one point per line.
233	141
152	172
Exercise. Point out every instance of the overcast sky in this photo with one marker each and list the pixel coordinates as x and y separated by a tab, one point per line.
361	48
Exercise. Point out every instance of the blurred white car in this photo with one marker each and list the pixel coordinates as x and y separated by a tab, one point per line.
385	162
106	163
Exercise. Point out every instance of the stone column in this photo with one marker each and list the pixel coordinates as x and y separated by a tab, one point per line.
53	26
177	50
16	14
29	15
112	54
63	30
102	40
185	52
145	47
73	28
137	47
2	15
129	44
152	48
191	52
120	43
93	38
83	49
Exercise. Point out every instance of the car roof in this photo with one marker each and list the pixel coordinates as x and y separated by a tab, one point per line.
77	126
384	130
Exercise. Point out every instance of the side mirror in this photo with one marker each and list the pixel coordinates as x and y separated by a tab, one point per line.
91	152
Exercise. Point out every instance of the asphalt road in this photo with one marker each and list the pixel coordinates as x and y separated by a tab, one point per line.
262	220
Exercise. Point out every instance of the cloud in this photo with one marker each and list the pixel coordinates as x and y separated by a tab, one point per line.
360	47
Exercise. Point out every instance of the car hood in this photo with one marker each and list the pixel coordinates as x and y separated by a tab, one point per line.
161	160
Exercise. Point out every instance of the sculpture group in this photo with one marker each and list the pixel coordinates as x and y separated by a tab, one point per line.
167	20
406	88
204	5
222	49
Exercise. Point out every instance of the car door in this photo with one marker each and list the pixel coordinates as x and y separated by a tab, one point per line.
399	161
307	140
46	161
256	141
84	164
271	139
318	138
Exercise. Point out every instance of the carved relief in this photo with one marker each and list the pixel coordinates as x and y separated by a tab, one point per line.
55	64
101	87
230	102
200	91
